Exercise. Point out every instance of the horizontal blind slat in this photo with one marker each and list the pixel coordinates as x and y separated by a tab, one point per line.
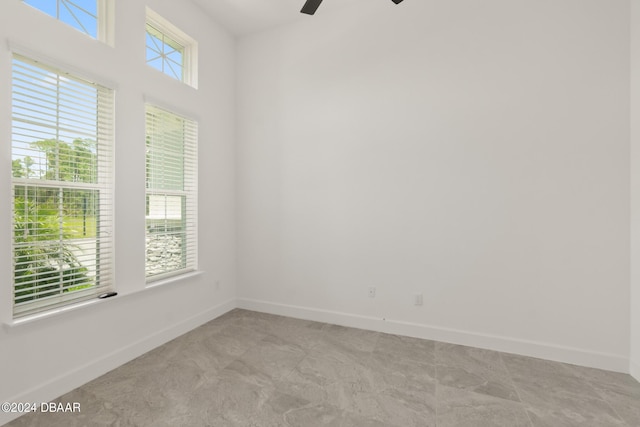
62	152
171	193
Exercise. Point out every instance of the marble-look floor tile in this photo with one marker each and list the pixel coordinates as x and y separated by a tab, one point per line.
549	375
93	412
329	379
463	408
230	401
352	420
261	370
554	394
351	339
274	357
213	352
257	322
624	401
330	362
315	390
392	372
240	371
200	355
393	391
304	333
165	399
348	393
396	407
140	377
211	327
600	376
620	391
407	348
473	369
210	354
559	407
238	339
314	416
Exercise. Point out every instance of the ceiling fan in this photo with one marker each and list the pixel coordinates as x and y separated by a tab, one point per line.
311	6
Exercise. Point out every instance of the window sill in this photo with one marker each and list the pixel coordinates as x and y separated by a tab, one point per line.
50	313
16	323
171	279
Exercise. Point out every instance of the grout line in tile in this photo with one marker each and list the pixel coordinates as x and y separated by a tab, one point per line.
604	400
515	387
567	367
437	382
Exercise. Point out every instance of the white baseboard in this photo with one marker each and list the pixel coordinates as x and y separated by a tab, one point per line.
71	380
540	350
634	370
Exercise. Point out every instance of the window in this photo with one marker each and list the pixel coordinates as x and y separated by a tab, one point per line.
87	16
170	50
62	187
171	216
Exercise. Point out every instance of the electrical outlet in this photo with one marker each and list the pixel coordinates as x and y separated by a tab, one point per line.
417	299
217	285
372	292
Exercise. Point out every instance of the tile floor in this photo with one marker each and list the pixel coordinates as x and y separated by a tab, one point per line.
254	369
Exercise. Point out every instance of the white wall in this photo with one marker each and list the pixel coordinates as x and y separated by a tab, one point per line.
635	189
46	358
476	152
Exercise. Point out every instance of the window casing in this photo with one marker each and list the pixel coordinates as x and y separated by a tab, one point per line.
62	137
91	17
170	50
171	196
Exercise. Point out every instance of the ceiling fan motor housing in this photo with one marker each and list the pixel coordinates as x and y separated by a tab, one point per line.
311	6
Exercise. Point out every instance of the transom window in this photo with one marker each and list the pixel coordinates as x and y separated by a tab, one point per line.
87	16
164	53
170	50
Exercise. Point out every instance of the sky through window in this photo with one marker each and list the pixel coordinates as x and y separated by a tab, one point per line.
80	14
164	53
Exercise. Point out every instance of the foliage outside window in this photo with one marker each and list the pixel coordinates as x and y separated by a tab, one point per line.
61	179
171	214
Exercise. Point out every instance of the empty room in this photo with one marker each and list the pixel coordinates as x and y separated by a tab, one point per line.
418	213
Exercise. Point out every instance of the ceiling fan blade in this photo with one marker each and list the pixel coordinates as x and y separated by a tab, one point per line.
311	6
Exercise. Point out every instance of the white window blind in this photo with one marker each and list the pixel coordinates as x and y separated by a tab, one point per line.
62	187
171	217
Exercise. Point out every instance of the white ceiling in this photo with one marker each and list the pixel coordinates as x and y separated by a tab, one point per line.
242	17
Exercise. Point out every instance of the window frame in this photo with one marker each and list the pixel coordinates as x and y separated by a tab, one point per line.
105	10
189	45
189	191
104	186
